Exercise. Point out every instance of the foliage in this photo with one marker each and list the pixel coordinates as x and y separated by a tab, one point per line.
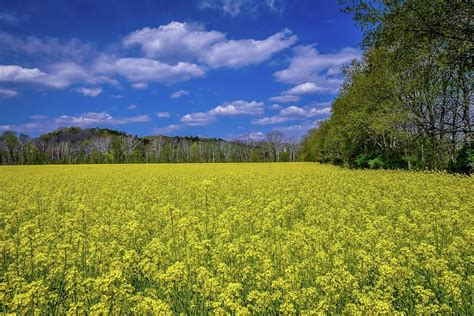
73	145
290	238
409	100
464	162
376	163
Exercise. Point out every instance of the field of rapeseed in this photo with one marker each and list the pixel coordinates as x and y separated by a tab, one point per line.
234	238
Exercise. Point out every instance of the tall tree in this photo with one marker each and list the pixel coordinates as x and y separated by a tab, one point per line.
275	140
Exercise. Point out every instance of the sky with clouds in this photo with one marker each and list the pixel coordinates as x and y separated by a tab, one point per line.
214	68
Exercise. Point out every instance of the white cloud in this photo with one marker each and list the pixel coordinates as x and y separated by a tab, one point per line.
21	75
238	107
139	85
254	136
237	7
47	49
15	73
19	128
275	107
167	129
89	92
8	93
173	52
174	41
308	64
179	94
190	42
295	113
131	107
306	88
313	72
144	70
43	124
268	120
99	118
60	75
234	108
62	62
238	53
299	129
197	119
163	114
285	98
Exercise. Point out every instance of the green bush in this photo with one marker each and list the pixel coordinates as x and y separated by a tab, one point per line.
362	161
376	163
464	162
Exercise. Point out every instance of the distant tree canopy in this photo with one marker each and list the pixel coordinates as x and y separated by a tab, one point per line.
408	102
97	145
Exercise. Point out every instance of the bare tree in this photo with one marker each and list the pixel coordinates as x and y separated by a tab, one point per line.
157	146
275	142
101	144
184	144
293	146
130	142
226	150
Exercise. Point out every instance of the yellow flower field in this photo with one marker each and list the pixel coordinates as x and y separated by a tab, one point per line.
234	238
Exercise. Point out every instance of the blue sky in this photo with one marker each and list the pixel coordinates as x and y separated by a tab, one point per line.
214	68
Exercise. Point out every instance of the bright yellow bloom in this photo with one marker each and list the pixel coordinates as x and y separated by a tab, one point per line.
234	238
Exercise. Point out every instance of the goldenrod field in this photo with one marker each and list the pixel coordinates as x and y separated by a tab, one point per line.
234	238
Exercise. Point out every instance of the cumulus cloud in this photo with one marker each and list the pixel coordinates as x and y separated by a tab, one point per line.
163	114
27	127
167	129
139	85
19	74
179	94
237	53
43	124
144	70
294	113
89	92
253	136
268	120
299	129
190	42
234	108
131	107
99	118
64	74
306	88
308	65
48	49
313	72
238	7
8	93
174	41
173	52
285	98
238	107
59	75
198	119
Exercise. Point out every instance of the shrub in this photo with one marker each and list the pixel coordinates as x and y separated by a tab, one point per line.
376	163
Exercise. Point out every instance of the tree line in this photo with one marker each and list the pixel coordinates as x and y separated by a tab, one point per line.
74	145
408	102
